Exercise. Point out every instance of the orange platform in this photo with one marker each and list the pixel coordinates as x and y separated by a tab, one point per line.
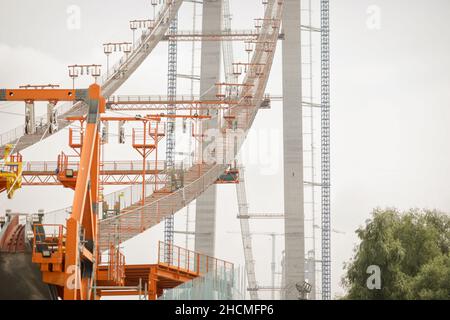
184	266
158	277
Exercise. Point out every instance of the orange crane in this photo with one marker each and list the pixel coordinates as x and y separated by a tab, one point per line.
72	271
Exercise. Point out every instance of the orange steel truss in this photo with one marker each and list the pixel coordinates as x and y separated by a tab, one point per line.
191	105
54	173
242	35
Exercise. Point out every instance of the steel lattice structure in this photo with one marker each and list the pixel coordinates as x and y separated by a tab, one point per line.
325	97
171	125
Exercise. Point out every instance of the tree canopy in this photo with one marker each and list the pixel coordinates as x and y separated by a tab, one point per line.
412	251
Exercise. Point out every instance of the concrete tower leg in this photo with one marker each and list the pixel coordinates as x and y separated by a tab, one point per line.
51	117
311	267
30	118
293	150
205	221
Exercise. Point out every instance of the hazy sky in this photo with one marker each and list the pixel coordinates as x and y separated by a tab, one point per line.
390	109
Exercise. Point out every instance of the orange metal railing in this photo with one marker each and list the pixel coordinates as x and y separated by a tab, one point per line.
189	261
109	167
64	163
151	135
76	137
115	262
48	243
16	158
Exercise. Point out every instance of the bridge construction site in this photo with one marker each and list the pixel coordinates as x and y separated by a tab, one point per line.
76	253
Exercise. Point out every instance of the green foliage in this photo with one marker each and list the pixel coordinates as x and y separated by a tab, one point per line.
412	251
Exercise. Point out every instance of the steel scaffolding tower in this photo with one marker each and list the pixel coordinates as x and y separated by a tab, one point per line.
325	132
171	124
311	116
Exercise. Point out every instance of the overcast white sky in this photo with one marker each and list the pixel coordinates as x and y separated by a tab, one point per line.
390	110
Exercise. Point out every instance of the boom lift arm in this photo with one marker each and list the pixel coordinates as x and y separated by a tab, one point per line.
74	274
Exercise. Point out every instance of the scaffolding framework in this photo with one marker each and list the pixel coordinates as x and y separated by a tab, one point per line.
310	117
325	133
171	125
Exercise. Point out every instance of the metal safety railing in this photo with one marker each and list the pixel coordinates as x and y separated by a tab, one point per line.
143	217
12	135
41	122
151	98
40	166
140	43
107	166
64	163
188	35
48	243
114	259
141	139
76	137
189	261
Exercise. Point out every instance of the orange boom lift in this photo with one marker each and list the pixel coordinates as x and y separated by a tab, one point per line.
72	268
